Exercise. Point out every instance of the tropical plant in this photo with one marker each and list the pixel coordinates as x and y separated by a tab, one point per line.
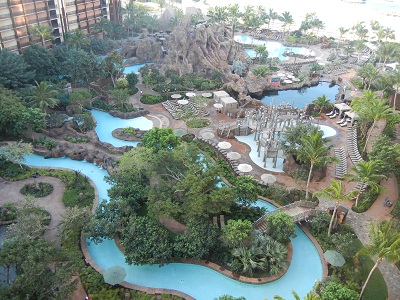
43	96
287	20
234	16
238	67
342	32
322	103
314	151
368	73
13	70
217	14
76	39
160	139
368	174
370	107
280	227
261	71
384	244
42	31
336	191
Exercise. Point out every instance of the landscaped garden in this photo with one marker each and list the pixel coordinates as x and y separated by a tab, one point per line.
177	199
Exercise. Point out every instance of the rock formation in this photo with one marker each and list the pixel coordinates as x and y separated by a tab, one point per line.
145	50
201	49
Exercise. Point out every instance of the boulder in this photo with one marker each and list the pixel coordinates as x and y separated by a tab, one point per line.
256	85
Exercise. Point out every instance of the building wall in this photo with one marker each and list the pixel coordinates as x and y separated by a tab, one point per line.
18	16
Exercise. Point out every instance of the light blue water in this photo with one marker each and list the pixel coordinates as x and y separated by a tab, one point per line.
275	49
107	123
197	281
135	68
303	96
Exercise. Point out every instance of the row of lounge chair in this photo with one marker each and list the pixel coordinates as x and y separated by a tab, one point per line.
341	167
355	156
337	70
178	110
299	63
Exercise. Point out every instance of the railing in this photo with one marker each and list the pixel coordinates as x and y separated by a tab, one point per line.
4	16
301	203
70	3
15	2
3	4
8	38
6	27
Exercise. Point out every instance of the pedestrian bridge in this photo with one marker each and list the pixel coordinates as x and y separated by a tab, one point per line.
299	211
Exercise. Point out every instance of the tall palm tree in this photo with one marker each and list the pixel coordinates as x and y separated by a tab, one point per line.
43	96
287	20
335	192
314	150
389	33
368	73
273	16
234	15
218	14
395	77
368	174
42	31
387	50
384	244
342	32
370	107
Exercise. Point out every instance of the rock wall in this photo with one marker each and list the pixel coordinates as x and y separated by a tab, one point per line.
202	50
145	50
128	115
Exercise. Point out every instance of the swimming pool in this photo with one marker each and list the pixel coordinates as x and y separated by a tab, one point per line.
303	96
200	282
107	123
275	49
135	68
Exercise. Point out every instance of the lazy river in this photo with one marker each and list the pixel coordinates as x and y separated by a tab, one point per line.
200	282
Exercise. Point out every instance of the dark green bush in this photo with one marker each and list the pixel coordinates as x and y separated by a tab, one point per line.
365	201
44	189
198	123
151	99
76	140
103	105
8	212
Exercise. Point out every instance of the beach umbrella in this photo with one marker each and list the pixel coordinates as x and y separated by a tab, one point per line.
233	155
218	105
268	178
245	168
334	258
224	145
208	135
207	95
190	94
281	74
176	96
114	275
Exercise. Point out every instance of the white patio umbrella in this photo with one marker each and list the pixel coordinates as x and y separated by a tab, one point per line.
183	102
281	74
233	155
207	95
218	105
245	168
176	96
268	178
296	79
208	135
287	81
190	94
224	145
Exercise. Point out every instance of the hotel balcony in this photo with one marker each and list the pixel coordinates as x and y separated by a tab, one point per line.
4	16
8	38
6	27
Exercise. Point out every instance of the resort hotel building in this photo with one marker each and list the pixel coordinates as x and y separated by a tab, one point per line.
17	17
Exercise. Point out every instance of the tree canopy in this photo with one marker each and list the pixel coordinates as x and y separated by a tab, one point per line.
13	70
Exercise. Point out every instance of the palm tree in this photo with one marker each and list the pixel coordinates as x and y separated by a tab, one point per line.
359	46
314	151
287	20
272	16
234	15
248	260
76	39
103	27
387	50
368	73
360	30
335	192
218	14
370	107
384	244
342	32
395	77
389	33
43	96
322	103
368	174
42	31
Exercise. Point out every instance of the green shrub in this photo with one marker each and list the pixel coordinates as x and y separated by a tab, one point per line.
76	140
122	83
151	99
8	212
132	79
44	189
129	130
198	123
103	105
365	201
